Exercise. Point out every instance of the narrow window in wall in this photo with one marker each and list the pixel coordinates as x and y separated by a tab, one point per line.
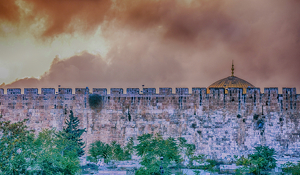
254	99
200	98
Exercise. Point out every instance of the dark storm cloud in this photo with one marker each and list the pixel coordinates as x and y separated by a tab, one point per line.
90	70
171	43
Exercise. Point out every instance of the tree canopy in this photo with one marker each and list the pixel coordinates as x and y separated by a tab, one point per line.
73	133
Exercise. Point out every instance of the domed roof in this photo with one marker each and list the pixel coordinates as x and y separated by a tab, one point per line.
231	82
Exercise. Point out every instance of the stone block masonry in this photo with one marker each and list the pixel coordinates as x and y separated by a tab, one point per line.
219	124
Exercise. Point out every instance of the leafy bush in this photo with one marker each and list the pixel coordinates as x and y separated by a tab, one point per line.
118	153
151	148
73	133
194	125
291	168
262	160
260	123
255	116
108	152
55	154
199	158
187	149
243	161
95	101
243	170
21	153
16	148
99	150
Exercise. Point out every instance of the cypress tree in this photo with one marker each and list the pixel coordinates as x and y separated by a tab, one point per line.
73	133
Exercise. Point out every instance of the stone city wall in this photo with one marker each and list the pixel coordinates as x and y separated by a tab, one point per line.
220	125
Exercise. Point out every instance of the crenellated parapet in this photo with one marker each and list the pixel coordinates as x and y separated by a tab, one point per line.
133	91
116	91
13	91
217	98
100	91
165	91
270	99
289	99
149	91
64	90
48	91
82	90
233	100
30	91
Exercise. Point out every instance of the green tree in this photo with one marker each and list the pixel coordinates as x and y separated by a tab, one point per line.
119	153
262	159
73	133
49	153
129	147
290	167
16	148
187	149
243	161
151	148
99	150
54	155
108	152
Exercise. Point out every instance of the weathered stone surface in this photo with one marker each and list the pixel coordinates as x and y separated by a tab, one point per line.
217	123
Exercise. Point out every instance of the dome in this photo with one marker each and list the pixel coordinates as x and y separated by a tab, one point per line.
231	82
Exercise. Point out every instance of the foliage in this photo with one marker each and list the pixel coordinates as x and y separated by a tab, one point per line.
129	116
262	159
209	165
95	101
21	153
118	153
151	148
260	123
194	125
197	172
72	133
99	150
290	167
54	155
243	170
187	149
129	146
108	152
243	161
16	148
199	158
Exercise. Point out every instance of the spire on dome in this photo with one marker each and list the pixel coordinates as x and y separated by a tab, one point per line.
232	69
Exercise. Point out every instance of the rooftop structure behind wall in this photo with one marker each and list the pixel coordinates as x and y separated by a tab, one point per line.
232	82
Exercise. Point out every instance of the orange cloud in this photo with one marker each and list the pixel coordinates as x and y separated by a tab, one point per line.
171	43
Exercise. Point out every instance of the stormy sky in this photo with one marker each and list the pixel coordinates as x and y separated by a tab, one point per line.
156	43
